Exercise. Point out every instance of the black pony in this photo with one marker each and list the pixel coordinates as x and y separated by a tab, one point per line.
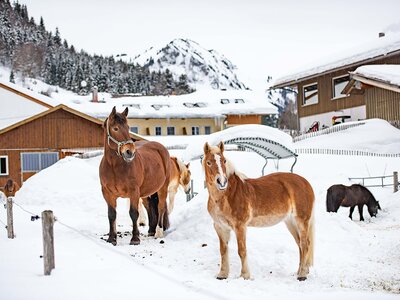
350	196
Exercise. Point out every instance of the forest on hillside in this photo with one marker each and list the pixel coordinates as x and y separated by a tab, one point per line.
30	50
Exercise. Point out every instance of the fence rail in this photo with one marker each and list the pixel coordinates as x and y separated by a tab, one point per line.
343	152
394	183
329	130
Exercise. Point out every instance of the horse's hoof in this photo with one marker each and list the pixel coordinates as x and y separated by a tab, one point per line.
301	278
112	241
151	233
135	241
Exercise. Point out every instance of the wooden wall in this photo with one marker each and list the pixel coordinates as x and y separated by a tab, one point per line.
52	132
383	104
243	119
325	102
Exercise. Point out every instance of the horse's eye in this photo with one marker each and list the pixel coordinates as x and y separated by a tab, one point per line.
224	161
208	163
115	128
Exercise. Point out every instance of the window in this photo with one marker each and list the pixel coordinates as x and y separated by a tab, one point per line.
36	161
159	106
195	130
310	94
170	130
338	84
207	129
158	130
3	165
137	106
134	129
224	101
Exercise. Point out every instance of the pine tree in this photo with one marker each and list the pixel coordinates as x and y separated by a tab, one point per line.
12	77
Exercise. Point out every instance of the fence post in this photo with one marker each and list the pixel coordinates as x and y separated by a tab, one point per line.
395	182
48	241
10	221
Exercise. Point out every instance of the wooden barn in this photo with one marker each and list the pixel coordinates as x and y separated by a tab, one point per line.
321	100
37	142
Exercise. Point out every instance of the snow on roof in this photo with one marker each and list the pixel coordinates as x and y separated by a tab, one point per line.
195	149
18	103
386	73
377	47
201	104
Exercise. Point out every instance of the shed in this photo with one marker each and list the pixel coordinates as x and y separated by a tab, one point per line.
37	142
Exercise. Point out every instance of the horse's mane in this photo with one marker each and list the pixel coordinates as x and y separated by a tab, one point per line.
181	165
230	167
366	190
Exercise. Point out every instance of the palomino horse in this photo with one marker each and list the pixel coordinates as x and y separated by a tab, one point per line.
132	170
351	196
10	188
236	202
179	176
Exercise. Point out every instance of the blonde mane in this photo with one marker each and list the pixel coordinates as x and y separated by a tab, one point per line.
230	167
181	165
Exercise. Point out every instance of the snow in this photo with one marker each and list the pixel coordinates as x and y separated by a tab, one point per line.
174	106
376	136
386	73
203	68
15	108
353	259
143	106
377	47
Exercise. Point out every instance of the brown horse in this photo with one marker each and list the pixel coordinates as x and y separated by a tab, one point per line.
11	188
351	196
133	170
179	176
236	202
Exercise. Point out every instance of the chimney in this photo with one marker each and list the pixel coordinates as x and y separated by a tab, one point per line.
95	97
381	34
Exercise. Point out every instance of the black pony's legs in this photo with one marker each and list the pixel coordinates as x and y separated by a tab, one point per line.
351	212
360	210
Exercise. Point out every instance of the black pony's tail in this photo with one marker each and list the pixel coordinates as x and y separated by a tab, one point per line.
330	205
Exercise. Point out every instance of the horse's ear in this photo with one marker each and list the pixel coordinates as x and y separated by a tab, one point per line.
187	165
221	146
125	112
105	123
206	148
114	111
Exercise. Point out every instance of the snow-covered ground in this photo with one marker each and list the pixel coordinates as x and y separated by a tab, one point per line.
353	259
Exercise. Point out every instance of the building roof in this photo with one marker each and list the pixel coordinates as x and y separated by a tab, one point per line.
58	107
18	103
200	104
364	54
383	76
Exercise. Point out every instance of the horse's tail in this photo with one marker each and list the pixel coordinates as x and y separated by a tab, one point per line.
166	221
330	207
310	237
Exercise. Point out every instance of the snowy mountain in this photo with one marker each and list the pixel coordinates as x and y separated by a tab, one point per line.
201	66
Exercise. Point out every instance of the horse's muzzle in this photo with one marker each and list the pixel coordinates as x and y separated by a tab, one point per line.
222	182
128	156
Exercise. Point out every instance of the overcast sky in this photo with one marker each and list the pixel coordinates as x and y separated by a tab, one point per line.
261	37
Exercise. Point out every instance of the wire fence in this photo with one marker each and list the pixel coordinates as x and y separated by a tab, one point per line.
343	152
95	239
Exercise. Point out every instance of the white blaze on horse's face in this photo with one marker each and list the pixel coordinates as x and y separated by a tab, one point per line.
221	180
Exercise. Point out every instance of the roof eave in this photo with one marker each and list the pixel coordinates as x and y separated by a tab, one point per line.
294	82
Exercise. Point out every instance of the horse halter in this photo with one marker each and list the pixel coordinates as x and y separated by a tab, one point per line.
119	144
